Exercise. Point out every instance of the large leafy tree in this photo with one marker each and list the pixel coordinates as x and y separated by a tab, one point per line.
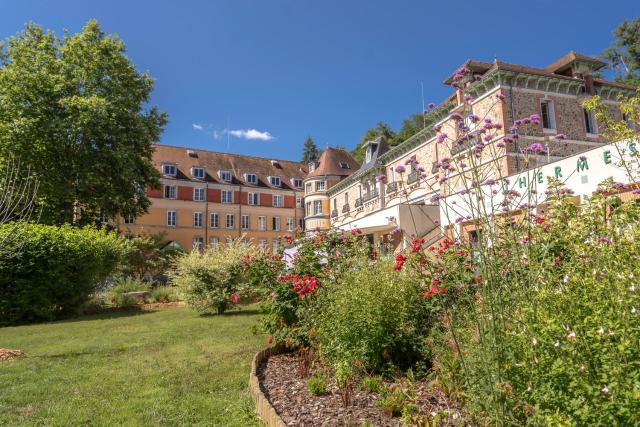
624	53
75	109
310	152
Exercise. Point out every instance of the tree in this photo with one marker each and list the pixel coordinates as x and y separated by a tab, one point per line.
75	110
624	53
310	152
381	129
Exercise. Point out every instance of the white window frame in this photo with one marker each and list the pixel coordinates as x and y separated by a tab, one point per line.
129	219
245	222
263	244
551	114
198	219
297	182
290	224
228	240
278	201
276	181
199	175
262	223
224	199
299	202
275	245
309	208
317	207
173	193
214	242
253	181
275	223
172	218
173	169
320	186
301	223
231	217
224	174
199	194
198	243
308	188
214	220
253	199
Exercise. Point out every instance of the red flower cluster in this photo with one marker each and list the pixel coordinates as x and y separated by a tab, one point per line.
400	260
434	289
443	246
356	231
416	245
302	285
539	220
288	238
235	298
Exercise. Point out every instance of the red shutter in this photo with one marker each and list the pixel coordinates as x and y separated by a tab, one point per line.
185	193
289	201
155	193
213	195
266	200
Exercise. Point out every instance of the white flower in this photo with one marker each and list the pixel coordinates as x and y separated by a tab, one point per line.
529	388
566	278
631	276
633	310
571	336
611	332
605	390
534	342
632	288
601	330
582	368
557	344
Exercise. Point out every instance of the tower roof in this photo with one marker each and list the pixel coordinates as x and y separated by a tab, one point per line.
334	161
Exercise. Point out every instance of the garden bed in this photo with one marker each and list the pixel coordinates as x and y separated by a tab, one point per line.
288	393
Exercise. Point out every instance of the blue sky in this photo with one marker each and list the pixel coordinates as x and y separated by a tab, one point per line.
262	75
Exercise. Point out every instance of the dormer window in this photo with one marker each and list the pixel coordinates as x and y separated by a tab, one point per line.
370	151
297	182
344	165
275	181
169	170
197	172
251	178
225	176
312	166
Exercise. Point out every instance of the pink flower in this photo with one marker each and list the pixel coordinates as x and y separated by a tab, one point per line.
400	169
269	339
235	298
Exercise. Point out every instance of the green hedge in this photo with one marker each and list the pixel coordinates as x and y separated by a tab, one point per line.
49	271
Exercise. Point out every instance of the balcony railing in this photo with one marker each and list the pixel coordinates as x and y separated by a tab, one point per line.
413	177
334	213
459	148
392	187
358	203
345	209
370	195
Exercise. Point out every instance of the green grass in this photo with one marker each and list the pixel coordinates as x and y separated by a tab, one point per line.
168	367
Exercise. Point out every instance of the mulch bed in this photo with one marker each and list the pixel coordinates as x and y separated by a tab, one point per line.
8	354
288	393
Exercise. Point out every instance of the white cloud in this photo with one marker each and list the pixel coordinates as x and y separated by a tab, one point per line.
251	134
197	126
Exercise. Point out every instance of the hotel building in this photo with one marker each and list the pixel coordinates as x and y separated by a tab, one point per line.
212	198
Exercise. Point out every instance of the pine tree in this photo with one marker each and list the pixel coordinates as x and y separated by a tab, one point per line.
310	151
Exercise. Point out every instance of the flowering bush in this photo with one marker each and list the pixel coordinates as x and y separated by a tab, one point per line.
215	280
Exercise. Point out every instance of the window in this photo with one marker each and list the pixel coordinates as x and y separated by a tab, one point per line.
276	245
548	114
275	181
301	223
169	170
344	165
225	176
277	201
262	223
214	220
298	202
335	204
370	149
214	242
630	123
317	207
297	182
290	224
227	196
253	198
197	172
590	122
275	223
346	198
312	166
231	221
262	244
244	222
320	185
197	219
169	191
307	188
308	208
198	243
229	240
198	194
252	178
129	219
171	218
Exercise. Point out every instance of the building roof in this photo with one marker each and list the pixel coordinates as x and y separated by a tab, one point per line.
378	148
213	162
571	57
336	162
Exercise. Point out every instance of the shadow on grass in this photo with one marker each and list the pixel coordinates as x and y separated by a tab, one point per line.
115	314
249	312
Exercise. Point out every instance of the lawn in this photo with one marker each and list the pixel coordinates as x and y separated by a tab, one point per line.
167	367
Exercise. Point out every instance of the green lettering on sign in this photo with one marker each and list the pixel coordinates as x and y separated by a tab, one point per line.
539	176
522	181
606	156
558	171
582	165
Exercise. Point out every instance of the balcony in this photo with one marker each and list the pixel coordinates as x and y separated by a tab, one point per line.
392	187
459	148
370	196
334	213
345	209
413	177
358	203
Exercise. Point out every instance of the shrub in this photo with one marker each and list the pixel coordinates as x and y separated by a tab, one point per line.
117	294
317	384
163	294
52	271
213	281
373	384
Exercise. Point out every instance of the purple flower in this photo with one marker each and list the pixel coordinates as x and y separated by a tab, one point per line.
474	118
437	128
400	169
396	230
441	138
603	239
500	144
459	219
508	138
477	76
457	116
391	218
469	98
380	178
500	96
582	158
489	181
488	138
434	198
560	136
536	148
431	105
